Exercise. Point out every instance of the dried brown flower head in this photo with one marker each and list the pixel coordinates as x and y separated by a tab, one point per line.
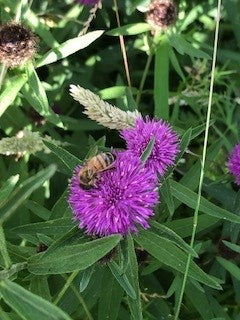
17	44
161	14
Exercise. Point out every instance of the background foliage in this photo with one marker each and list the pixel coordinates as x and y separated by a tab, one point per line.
67	281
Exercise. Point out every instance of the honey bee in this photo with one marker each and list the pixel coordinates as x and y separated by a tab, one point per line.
88	174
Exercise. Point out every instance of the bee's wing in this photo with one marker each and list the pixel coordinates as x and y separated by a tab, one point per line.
91	153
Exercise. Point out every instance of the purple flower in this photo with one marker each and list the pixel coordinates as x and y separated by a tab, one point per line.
234	163
166	145
88	2
123	198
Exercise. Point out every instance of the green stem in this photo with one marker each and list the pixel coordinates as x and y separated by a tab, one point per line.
145	73
81	300
66	286
195	218
2	74
3	249
161	80
19	11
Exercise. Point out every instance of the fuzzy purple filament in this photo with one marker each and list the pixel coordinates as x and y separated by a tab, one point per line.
123	198
166	145
234	163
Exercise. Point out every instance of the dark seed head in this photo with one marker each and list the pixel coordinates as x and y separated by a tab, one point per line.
226	252
17	44
161	14
41	247
108	257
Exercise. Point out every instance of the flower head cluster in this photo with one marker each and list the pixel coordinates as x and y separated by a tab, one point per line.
234	163
101	111
161	14
17	44
123	198
165	147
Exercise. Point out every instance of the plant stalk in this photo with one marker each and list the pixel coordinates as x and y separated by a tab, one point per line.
196	212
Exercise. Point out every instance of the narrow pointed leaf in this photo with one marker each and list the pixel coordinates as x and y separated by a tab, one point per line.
147	152
163	231
69	47
72	258
122	279
132	273
68	159
189	198
7	188
9	94
28	305
170	255
25	190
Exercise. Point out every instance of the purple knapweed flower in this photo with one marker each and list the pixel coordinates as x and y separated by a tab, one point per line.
88	2
123	198
166	145
234	163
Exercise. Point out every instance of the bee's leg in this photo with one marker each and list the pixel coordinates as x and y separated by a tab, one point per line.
111	166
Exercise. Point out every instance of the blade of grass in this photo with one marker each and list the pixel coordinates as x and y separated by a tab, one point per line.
144	76
196	212
123	48
3	249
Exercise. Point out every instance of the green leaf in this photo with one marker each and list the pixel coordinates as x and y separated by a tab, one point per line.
71	237
110	297
201	128
183	227
39	286
130	29
40	28
86	277
68	159
132	273
51	227
35	94
232	246
176	64
4	315
231	267
124	255
115	92
169	254
72	258
185	47
7	188
191	16
232	9
122	279
147	152
189	198
167	197
36	86
165	232
69	47
9	94
24	191
60	207
7	273
186	138
28	305
217	309
191	178
199	301
37	209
